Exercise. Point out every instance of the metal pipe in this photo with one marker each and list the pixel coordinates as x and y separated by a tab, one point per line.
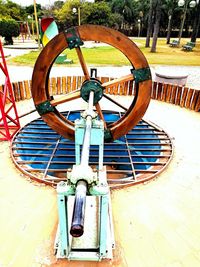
86	141
77	226
91	101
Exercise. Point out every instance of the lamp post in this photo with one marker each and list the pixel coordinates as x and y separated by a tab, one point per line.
184	3
36	22
74	10
140	23
30	17
139	27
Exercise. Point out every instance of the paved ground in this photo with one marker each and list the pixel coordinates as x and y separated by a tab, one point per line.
20	73
155	224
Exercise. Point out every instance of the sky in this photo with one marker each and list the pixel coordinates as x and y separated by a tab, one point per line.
30	2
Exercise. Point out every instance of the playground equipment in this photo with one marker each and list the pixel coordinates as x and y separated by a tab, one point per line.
99	144
9	120
48	31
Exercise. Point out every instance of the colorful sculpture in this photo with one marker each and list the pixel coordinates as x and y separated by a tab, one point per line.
49	30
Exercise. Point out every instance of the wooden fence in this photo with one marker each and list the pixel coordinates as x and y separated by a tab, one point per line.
174	94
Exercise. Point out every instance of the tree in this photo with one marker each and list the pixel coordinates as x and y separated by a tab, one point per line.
150	23
64	16
93	13
170	6
11	10
196	24
58	4
127	10
98	13
156	25
8	29
30	10
3	13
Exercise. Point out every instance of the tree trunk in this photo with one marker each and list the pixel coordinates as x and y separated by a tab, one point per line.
8	40
156	26
196	24
169	27
150	24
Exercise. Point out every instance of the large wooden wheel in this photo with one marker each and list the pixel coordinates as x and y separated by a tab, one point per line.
73	38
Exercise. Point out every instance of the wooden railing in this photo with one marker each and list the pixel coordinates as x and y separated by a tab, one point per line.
178	95
174	94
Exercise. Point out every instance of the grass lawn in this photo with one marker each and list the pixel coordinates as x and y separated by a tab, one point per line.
107	55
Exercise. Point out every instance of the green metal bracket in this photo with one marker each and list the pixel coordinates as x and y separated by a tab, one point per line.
45	107
141	74
73	38
92	85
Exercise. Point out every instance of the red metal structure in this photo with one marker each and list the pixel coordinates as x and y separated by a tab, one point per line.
9	120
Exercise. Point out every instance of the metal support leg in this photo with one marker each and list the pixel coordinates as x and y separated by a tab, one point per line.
103	225
63	225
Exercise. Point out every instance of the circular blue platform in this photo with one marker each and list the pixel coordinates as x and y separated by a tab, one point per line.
45	156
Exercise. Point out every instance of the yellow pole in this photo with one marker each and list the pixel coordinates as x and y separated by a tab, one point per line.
32	25
79	16
36	22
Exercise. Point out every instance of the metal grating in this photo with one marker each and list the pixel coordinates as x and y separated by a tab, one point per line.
45	156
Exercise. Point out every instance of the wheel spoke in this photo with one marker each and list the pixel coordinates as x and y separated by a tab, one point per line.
115	102
99	111
66	98
83	64
126	78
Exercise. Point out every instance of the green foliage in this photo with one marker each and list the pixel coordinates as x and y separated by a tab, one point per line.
65	16
127	8
93	13
124	15
98	13
58	4
10	10
29	10
8	29
3	13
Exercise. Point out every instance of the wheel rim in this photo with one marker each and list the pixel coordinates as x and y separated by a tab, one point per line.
46	106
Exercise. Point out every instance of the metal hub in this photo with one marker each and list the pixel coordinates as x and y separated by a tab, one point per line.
92	85
45	156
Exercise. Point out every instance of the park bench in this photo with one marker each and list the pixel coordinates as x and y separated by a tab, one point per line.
189	46
62	59
174	43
